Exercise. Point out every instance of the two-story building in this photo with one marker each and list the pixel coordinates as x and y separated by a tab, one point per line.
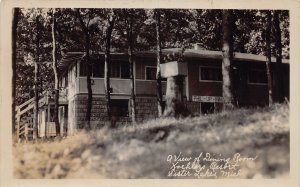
202	86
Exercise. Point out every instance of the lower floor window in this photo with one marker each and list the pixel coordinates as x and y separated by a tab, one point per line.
119	107
210	107
50	115
207	108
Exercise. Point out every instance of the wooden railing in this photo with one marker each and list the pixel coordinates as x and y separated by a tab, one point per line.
24	115
24	125
25	129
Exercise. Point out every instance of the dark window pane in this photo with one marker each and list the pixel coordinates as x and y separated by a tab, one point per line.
119	107
82	68
66	81
150	73
207	108
115	69
51	117
211	74
98	69
125	70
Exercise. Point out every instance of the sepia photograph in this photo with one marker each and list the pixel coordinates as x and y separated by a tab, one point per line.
150	93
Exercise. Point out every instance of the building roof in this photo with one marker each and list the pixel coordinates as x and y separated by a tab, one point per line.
70	57
209	54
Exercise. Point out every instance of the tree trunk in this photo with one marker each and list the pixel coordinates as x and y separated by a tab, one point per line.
36	72
278	48
174	98
88	79
56	83
14	61
88	71
159	57
268	54
130	49
107	67
227	51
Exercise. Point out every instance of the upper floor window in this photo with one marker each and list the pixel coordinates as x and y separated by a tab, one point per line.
211	74
98	69
257	76
118	69
151	73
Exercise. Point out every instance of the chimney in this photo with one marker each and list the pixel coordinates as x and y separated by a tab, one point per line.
197	46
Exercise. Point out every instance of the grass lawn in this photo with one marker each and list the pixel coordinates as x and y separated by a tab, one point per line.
150	150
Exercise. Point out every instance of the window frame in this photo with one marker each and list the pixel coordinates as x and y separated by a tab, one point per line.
128	114
155	74
112	61
213	111
212	67
153	67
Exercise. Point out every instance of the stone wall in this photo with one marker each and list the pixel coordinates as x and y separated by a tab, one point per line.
193	107
98	113
146	108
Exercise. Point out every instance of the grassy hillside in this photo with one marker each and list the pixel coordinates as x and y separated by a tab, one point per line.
142	151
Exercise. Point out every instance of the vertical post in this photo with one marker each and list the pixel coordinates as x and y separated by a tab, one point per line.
36	71
158	73
36	101
268	54
130	54
55	71
18	124
48	120
26	131
14	61
278	51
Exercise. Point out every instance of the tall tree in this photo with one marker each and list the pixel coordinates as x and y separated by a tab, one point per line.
55	71
206	26
227	51
278	52
28	32
16	12
129	29
109	29
36	74
159	59
85	28
268	55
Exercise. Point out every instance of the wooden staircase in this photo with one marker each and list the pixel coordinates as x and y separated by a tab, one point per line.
24	118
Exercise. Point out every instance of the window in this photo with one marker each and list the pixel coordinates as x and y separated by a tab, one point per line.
51	117
98	69
207	108
66	81
151	73
82	68
258	76
210	74
115	69
125	70
118	69
119	107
